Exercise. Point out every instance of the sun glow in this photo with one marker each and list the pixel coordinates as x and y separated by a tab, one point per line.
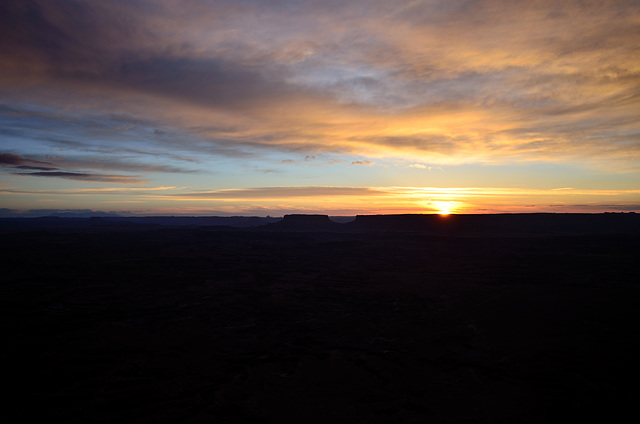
445	208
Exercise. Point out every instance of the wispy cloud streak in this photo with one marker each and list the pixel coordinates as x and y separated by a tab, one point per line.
104	178
20	162
24	166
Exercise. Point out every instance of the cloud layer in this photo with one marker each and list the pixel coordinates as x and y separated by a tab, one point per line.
450	81
346	200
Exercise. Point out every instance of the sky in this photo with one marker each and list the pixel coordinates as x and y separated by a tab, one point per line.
270	107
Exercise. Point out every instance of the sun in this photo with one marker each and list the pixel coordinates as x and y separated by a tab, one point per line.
445	208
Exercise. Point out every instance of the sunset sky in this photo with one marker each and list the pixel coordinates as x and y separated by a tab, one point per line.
268	107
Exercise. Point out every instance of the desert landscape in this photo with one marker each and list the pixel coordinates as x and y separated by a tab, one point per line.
320	212
385	319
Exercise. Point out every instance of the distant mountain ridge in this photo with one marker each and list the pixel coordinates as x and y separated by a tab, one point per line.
540	223
306	222
500	223
488	224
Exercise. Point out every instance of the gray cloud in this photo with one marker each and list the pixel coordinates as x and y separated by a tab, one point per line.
20	162
24	166
66	167
106	163
102	178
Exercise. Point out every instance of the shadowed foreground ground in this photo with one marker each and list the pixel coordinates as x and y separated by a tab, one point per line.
209	326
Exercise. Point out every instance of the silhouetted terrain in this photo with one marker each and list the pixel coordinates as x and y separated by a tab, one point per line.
418	318
57	223
500	224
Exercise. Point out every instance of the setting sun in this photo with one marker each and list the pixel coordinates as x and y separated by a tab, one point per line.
446	208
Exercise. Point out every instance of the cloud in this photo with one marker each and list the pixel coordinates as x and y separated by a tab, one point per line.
104	162
93	191
102	178
423	166
363	163
20	162
281	192
490	81
338	200
66	168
